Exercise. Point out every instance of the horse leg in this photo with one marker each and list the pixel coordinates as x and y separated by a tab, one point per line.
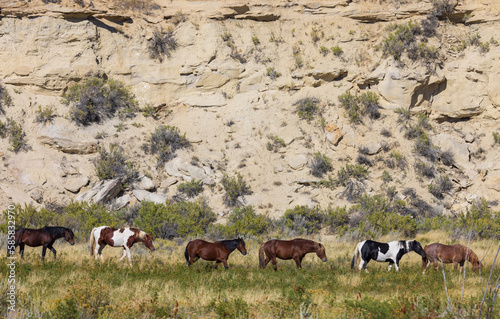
390	265
124	254
298	262
224	261
53	251
44	250
273	261
129	256
21	250
397	265
363	263
462	265
217	263
99	252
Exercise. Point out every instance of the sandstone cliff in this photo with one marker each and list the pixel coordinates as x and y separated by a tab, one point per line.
217	88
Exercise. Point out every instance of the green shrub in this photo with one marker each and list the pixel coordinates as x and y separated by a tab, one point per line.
447	158
386	177
234	187
113	164
272	73
411	39
479	220
307	107
255	40
245	222
96	99
424	169
337	218
440	186
357	106
172	220
45	114
303	220
355	171
162	44
425	148
192	188
324	50
320	164
5	99
336	50
496	138
404	115
164	142
275	144
15	133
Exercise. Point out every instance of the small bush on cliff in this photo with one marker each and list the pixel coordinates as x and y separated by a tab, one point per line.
113	164
320	164
234	187
357	106
5	99
440	186
96	99
45	114
15	133
307	107
164	142
162	44
191	189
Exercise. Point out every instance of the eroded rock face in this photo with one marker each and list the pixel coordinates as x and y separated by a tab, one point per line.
66	139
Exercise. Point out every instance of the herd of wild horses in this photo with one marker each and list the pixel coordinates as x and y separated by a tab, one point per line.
219	251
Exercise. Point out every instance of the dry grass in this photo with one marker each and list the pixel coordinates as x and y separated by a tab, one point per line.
163	276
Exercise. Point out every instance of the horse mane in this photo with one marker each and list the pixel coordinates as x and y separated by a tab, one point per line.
404	244
57	230
472	257
230	244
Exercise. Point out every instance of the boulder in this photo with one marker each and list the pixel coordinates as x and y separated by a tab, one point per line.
121	202
74	184
143	195
108	191
333	134
213	80
297	162
458	148
144	183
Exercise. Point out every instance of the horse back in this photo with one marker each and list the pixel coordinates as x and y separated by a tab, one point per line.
445	253
32	237
206	250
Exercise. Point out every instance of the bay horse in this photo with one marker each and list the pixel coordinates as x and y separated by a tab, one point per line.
123	237
45	236
391	252
218	251
456	254
294	249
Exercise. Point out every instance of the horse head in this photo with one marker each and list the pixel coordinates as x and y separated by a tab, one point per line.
416	247
474	260
69	236
320	252
148	242
241	246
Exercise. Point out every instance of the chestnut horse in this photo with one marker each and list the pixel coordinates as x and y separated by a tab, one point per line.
123	237
456	254
218	251
45	237
294	249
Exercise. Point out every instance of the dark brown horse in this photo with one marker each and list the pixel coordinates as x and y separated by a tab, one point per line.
45	237
218	251
456	254
294	249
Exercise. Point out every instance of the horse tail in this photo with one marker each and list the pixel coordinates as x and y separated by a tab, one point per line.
92	242
186	253
262	257
355	255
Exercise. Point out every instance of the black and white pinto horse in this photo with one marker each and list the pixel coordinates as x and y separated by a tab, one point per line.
385	252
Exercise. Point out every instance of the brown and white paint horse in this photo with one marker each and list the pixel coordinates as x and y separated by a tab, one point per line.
123	237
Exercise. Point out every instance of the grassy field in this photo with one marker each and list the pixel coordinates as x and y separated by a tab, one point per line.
159	284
